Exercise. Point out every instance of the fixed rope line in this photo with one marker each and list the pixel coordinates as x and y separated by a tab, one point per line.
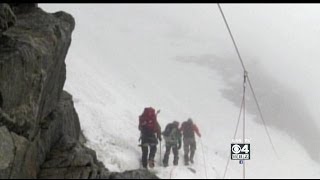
232	38
262	118
171	172
160	155
245	76
251	88
204	160
234	136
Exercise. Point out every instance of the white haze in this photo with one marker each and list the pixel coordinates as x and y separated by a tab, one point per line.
278	44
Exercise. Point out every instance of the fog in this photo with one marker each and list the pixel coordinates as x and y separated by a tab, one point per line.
279	45
282	107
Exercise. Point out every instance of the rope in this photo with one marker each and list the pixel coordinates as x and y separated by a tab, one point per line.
158	112
244	117
233	41
172	171
160	155
204	160
262	118
234	136
242	108
251	88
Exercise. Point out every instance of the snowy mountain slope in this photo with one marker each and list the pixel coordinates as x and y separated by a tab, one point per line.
126	61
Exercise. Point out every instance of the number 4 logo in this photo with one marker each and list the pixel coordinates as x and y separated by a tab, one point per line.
245	149
240	148
240	151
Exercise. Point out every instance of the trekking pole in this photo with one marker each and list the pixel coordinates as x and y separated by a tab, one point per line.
204	159
158	111
160	154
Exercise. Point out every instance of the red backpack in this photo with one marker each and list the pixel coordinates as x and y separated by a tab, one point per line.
148	121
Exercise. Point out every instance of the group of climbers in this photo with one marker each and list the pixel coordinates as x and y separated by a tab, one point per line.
150	131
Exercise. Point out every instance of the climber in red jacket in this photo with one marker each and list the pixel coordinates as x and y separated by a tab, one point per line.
188	129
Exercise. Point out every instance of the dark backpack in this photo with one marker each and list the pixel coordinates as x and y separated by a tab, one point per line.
168	130
148	122
171	134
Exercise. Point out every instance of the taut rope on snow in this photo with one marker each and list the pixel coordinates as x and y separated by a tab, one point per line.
262	118
246	78
160	155
234	136
204	160
171	172
158	112
242	109
249	82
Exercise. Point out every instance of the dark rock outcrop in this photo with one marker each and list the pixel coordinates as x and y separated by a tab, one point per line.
7	17
33	71
37	118
136	174
68	158
40	133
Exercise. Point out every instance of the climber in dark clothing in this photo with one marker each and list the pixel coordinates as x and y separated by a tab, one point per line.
150	133
172	137
188	128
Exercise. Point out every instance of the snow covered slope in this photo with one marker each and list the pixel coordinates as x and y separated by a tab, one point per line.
126	57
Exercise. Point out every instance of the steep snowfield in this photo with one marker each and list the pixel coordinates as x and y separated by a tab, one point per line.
121	61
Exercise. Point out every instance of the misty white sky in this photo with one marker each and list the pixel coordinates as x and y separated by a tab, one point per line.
282	38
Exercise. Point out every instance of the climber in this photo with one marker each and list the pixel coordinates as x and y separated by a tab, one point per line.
172	137
150	133
188	129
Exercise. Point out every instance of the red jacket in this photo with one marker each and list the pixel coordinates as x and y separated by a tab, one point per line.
194	128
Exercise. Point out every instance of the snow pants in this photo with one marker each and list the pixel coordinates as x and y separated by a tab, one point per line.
189	146
149	149
175	151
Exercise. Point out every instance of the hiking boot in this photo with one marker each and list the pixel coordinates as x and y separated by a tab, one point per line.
144	165
151	163
175	162
191	161
186	163
165	165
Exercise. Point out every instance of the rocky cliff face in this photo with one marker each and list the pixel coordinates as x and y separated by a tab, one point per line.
39	127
